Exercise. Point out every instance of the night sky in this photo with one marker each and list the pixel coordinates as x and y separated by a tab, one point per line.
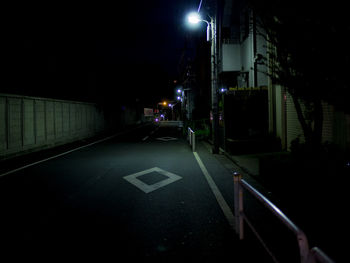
96	51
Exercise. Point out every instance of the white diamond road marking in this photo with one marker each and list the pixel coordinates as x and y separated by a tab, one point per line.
132	178
166	139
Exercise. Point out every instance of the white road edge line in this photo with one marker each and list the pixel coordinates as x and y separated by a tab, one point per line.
219	198
61	154
152	132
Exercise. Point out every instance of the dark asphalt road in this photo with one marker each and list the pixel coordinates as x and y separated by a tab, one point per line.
80	205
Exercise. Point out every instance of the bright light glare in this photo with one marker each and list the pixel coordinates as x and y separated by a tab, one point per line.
178	91
178	97
194	18
164	103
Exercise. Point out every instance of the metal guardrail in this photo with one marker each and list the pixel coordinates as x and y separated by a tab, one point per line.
317	255
171	124
306	255
191	138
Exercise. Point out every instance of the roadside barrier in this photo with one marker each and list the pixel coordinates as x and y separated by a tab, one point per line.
191	138
171	124
306	255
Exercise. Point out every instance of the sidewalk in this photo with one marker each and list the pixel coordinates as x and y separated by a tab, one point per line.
309	212
247	165
275	235
221	170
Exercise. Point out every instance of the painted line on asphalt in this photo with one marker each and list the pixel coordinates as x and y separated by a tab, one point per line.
219	198
156	129
146	188
64	153
151	133
58	155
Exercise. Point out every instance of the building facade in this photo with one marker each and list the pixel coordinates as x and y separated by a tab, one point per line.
252	106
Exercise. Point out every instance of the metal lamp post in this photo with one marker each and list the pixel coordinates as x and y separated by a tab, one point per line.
194	18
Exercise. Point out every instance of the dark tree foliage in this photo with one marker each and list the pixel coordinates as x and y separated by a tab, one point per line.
308	55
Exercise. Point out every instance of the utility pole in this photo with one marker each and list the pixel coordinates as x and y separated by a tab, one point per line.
214	85
195	18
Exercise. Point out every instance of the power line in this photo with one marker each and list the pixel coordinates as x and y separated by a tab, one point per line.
200	5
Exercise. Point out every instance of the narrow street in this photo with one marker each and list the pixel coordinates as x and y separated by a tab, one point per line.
141	195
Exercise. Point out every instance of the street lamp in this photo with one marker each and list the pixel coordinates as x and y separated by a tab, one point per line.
195	18
172	105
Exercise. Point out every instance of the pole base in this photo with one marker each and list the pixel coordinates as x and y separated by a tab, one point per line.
214	151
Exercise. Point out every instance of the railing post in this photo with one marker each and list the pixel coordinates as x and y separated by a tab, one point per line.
303	247
191	138
238	204
193	142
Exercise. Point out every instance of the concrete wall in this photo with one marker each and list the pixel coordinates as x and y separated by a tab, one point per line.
293	129
30	124
335	129
231	57
261	48
277	113
247	58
